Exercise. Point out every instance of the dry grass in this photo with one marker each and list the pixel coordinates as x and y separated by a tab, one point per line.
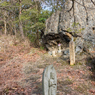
7	41
21	68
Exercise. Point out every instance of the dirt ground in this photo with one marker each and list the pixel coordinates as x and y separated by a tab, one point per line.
21	69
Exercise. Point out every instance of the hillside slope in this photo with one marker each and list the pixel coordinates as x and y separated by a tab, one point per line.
22	65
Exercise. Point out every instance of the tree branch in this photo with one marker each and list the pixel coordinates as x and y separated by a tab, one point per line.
93	2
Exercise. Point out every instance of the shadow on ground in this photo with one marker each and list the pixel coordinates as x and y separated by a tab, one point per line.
90	61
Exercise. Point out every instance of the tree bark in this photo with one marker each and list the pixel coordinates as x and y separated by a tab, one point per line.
20	22
5	23
37	38
5	27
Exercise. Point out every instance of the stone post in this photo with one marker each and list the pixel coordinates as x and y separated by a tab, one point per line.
49	81
59	48
54	53
72	52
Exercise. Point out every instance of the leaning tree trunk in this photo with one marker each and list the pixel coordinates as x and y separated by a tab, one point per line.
20	22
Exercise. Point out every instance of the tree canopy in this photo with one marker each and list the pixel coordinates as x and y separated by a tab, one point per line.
27	17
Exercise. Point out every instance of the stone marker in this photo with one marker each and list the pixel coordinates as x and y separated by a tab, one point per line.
59	48
49	81
54	53
72	52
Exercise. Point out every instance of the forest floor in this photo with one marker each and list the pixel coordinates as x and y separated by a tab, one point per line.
22	65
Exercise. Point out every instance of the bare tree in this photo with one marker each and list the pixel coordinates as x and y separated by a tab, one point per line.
20	22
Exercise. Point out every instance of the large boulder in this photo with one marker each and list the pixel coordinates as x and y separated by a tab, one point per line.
79	19
52	23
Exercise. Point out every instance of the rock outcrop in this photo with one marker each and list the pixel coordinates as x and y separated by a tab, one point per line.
52	23
77	19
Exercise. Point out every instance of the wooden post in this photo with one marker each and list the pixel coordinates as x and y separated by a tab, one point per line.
72	52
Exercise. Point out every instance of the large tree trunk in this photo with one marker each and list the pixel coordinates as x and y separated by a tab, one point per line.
20	22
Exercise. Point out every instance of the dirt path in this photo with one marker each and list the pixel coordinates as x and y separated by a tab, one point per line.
21	73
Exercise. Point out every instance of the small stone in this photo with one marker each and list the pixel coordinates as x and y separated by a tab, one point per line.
66	52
